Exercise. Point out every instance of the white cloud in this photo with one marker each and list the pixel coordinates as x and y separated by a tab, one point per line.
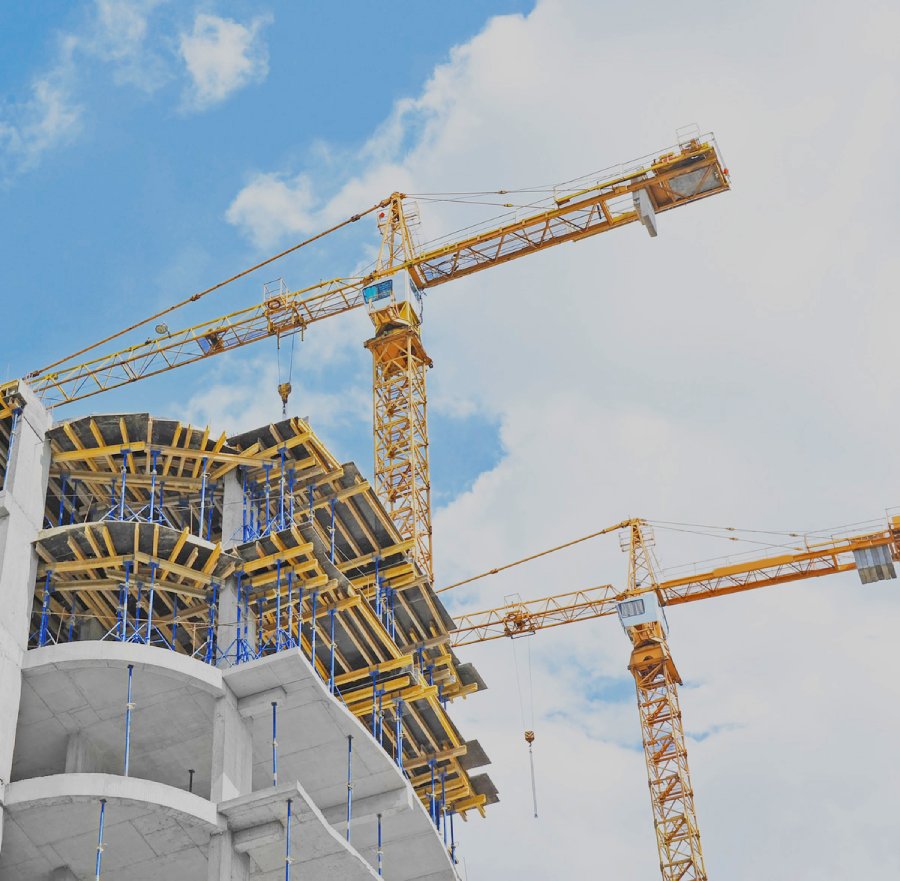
115	34
270	207
738	369
222	56
241	395
48	119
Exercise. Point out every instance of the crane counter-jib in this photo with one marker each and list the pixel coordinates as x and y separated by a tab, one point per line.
690	172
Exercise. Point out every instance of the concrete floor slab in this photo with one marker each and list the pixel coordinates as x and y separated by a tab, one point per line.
317	849
313	727
80	689
149	827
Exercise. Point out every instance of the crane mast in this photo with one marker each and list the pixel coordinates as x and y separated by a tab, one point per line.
635	193
656	681
640	608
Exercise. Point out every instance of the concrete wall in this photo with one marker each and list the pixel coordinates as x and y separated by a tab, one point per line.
21	517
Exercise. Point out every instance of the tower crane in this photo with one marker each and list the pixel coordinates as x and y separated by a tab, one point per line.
579	209
640	608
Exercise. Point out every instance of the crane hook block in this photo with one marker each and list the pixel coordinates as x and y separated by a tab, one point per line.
529	737
284	390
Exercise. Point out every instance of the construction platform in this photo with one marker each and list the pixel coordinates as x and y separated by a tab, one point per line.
225	659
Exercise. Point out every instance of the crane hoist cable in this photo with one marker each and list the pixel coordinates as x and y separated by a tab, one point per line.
527	725
284	383
200	294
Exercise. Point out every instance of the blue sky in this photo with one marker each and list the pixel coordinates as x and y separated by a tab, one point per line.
739	369
119	205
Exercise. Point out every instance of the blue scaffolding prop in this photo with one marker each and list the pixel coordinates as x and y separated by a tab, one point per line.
265	508
349	782
129	707
398	732
288	861
274	743
98	863
379	850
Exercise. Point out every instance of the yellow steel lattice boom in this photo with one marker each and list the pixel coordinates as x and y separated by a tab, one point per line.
651	664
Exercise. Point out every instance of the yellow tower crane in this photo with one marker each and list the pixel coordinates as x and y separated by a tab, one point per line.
637	191
640	608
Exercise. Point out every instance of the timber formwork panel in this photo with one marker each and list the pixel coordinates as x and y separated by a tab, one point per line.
133	550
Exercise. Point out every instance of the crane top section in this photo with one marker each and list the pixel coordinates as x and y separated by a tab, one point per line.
635	192
872	554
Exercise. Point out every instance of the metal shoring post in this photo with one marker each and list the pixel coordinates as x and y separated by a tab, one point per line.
278	630
374	675
74	503
452	839
259	627
287	844
154	454
349	781
210	512
291	642
274	743
45	609
150	598
398	732
238	639
244	527
312	651
442	815
62	498
393	617
174	620
281	522
268	470
124	482
291	477
211	627
129	706
310	490
332	529
99	862
381	716
136	636
300	617
377	588
246	643
432	802
72	617
202	500
379	851
124	590
331	615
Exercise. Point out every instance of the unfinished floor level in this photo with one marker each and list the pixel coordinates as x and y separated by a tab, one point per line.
217	659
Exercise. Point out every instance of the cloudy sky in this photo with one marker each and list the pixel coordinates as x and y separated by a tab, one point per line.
738	370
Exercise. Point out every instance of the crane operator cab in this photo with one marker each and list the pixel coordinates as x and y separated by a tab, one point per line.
391	301
642	609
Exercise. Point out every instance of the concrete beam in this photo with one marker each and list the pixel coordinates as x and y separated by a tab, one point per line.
261	703
259	836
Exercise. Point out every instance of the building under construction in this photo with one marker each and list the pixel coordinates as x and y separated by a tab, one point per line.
218	659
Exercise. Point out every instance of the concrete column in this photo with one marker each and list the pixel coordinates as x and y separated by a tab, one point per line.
227	629
63	873
232	752
21	518
232	510
225	863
